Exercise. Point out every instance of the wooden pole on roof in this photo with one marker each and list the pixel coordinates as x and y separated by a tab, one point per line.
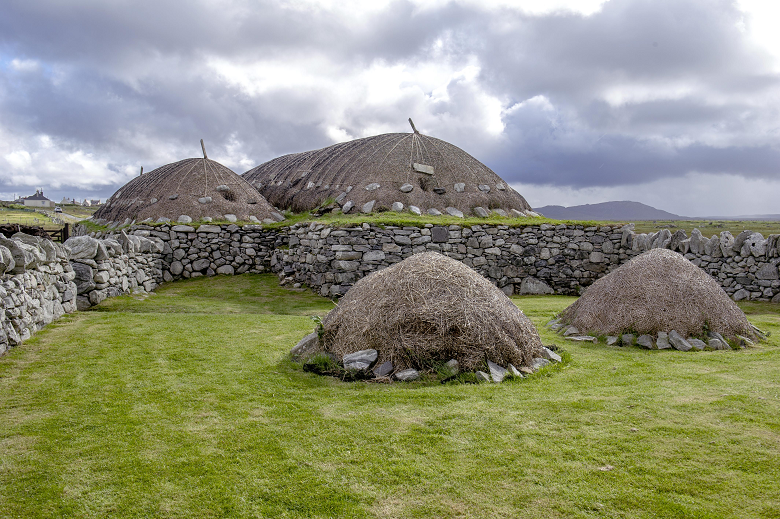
142	171
203	147
413	128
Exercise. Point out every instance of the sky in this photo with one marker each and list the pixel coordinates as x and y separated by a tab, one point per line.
672	103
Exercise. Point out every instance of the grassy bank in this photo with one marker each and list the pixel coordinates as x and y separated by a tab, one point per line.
182	404
709	227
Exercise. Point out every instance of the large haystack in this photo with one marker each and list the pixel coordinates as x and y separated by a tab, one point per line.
428	309
658	291
407	168
196	188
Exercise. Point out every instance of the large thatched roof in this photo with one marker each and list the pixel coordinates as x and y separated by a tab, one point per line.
194	187
427	309
657	291
410	168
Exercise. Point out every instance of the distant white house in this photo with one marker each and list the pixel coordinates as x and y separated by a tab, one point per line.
37	200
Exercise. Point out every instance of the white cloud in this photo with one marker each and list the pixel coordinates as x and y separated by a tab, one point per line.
25	65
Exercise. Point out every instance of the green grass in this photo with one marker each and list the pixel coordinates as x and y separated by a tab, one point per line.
709	227
183	404
24	216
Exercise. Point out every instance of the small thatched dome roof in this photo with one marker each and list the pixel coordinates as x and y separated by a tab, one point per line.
657	291
194	187
429	309
410	168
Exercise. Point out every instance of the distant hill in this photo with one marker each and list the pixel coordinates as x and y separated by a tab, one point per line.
624	211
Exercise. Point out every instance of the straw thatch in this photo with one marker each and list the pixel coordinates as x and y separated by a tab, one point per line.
184	188
303	181
658	291
429	309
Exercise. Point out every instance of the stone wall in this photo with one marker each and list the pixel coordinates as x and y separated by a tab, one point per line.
40	281
36	286
186	251
537	259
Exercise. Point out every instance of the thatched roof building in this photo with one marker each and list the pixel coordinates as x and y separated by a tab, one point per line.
658	291
395	168
429	309
196	188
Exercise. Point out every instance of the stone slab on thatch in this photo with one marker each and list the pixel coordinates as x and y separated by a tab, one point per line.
196	187
407	168
658	291
427	310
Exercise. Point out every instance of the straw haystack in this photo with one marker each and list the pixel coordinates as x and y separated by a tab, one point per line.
428	309
196	188
410	170
658	291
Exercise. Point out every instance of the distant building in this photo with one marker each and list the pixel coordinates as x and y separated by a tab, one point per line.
37	200
69	201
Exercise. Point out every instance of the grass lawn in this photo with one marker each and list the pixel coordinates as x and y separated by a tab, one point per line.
182	404
709	227
24	217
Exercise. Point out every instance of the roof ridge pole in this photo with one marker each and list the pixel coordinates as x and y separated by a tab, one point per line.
205	173
413	128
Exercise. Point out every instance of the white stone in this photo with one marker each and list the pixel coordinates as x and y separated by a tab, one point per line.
414	209
454	212
423	168
397	207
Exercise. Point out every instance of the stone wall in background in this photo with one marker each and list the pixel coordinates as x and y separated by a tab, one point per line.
40	280
538	259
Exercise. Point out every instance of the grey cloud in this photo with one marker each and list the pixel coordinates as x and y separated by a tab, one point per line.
127	82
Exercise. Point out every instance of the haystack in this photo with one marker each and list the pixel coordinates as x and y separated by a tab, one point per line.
196	188
374	173
658	291
428	309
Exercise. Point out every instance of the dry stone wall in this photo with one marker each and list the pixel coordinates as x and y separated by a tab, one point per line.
41	281
539	259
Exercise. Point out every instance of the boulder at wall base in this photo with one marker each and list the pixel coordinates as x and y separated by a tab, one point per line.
84	277
533	286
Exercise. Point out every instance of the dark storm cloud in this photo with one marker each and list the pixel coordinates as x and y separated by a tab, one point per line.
130	82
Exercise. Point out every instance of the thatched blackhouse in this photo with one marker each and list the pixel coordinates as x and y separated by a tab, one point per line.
658	291
394	171
196	188
429	309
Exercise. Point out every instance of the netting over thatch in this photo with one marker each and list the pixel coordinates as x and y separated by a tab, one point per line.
435	173
657	291
193	187
430	308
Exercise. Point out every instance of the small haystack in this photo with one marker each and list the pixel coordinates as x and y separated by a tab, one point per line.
393	171
429	309
197	188
658	291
